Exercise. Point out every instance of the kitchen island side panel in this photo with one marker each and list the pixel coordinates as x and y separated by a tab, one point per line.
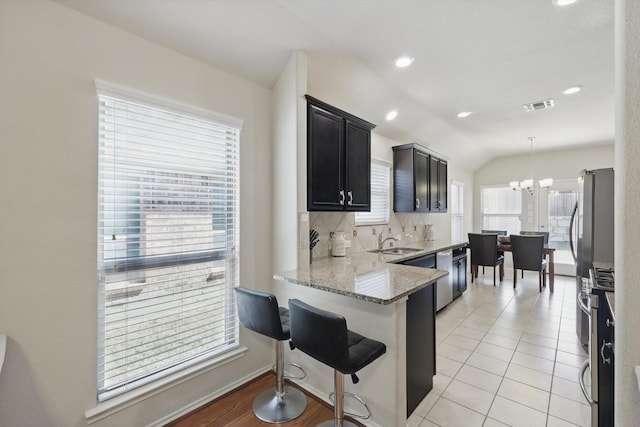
421	350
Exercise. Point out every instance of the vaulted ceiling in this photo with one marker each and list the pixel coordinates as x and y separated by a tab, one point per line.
487	57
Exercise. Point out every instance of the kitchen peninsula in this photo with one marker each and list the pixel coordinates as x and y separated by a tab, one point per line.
387	301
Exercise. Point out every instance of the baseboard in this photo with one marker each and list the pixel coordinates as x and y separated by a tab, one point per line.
320	395
208	398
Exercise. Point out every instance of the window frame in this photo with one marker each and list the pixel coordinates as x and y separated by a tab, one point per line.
228	256
457	211
507	215
370	218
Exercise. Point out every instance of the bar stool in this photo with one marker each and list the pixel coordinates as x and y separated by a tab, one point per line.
324	336
259	312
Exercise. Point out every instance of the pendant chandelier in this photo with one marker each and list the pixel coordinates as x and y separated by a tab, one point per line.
528	184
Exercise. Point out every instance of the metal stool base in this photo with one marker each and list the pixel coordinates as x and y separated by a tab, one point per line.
270	408
331	423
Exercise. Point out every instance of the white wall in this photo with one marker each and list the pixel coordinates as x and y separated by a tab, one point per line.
558	164
49	58
286	182
627	205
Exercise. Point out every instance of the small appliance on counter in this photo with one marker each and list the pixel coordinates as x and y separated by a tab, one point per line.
429	233
339	244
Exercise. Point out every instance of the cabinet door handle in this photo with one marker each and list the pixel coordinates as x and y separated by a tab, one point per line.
350	194
341	197
417	203
605	360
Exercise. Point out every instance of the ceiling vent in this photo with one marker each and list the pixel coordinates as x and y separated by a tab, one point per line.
539	105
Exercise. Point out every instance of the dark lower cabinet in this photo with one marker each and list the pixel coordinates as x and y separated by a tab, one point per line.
606	362
421	345
459	271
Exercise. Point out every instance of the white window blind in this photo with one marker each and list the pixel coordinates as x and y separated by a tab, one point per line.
167	240
457	212
501	209
379	213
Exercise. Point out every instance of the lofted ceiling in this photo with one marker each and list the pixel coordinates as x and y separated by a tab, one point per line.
488	57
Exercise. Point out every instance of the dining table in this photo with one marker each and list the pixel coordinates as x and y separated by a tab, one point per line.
548	251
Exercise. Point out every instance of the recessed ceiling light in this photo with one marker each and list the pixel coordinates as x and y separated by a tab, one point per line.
572	90
391	115
463	114
563	2
403	61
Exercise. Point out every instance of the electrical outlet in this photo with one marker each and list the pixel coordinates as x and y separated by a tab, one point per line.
373	231
355	233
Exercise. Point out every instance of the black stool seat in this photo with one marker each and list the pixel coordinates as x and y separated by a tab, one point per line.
362	351
324	336
259	312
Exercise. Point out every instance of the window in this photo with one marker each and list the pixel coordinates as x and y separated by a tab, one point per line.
501	209
457	212
379	214
167	237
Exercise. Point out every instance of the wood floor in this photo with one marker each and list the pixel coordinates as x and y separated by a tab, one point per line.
234	409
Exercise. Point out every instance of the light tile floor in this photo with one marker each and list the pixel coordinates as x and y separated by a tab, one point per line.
507	357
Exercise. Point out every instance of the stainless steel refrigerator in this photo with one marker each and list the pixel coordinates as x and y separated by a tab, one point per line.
592	236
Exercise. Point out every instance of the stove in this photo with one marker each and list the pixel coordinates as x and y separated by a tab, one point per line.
602	276
592	300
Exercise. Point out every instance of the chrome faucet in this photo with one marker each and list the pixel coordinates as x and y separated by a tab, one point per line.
381	240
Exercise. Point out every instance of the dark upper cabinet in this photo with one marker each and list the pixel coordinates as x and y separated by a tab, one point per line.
338	159
419	180
357	169
438	185
410	180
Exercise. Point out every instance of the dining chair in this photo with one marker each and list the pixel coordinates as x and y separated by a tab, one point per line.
499	233
535	233
528	254
484	252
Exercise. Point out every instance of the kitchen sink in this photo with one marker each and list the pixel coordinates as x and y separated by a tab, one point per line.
396	251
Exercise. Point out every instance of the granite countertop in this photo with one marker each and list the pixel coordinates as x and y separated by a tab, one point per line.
372	277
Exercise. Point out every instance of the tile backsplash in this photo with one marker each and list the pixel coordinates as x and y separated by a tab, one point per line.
409	227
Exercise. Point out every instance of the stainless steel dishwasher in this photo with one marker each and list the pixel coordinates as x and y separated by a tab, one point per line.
444	288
